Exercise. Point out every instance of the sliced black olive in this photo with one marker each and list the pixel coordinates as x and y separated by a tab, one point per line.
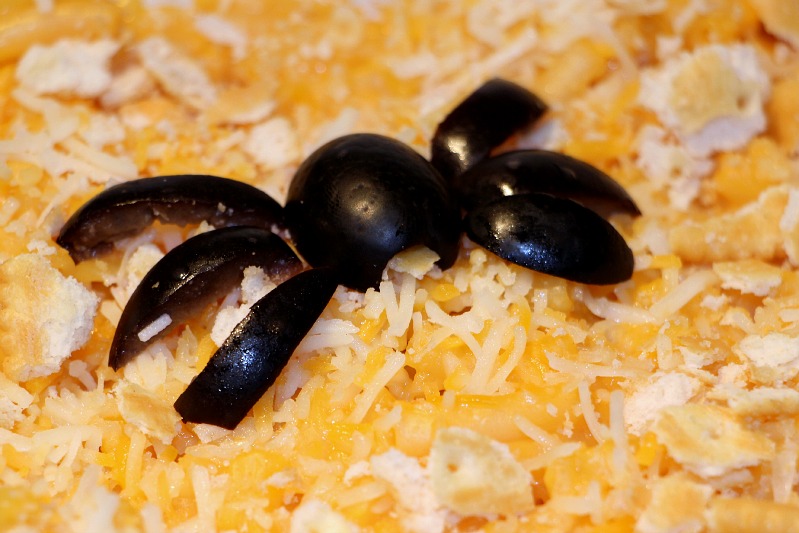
483	121
126	209
360	199
193	275
251	359
552	235
541	171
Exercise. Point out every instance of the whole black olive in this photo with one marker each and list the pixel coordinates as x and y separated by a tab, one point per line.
360	199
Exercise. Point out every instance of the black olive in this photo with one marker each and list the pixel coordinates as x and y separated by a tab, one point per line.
552	235
360	199
483	121
191	276
126	209
541	171
251	359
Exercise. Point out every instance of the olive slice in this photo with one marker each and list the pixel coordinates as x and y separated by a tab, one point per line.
126	209
191	276
251	359
483	121
360	199
542	171
552	235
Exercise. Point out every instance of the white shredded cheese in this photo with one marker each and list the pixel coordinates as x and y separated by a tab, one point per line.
155	327
254	285
13	401
394	362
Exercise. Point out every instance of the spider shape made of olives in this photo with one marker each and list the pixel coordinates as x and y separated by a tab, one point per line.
352	205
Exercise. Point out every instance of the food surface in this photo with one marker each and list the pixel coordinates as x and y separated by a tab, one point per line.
479	397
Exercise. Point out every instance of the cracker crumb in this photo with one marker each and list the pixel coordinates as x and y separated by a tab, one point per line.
416	261
68	67
671	166
709	440
475	475
316	516
222	31
774	356
410	485
751	232
273	143
177	74
147	411
661	390
780	18
44	317
748	276
712	98
758	402
676	491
